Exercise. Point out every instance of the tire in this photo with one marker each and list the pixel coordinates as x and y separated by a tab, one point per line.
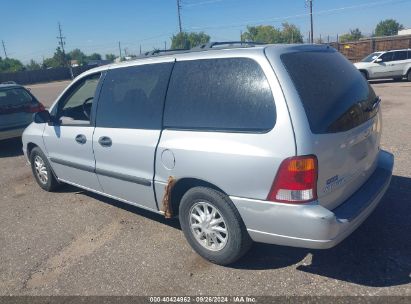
409	75
223	250
364	74
42	170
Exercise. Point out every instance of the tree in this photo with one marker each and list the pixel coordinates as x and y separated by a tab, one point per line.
94	56
262	34
289	33
185	40
58	60
388	27
32	66
78	55
10	65
110	57
353	35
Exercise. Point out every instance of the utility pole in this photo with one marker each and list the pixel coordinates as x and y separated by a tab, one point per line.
4	48
140	49
165	45
119	47
62	43
311	19
179	15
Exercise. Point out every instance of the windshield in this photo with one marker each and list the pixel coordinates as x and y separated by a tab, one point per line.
371	57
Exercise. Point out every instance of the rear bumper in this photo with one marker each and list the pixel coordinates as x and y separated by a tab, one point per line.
313	226
11	132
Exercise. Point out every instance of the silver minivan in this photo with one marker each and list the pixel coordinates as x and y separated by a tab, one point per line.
269	143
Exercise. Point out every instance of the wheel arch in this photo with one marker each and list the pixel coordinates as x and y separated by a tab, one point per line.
365	72
182	185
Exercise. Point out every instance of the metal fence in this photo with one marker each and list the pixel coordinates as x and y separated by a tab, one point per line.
39	76
356	50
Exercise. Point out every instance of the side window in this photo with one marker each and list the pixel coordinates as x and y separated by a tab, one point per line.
400	55
228	94
133	97
409	54
387	57
75	107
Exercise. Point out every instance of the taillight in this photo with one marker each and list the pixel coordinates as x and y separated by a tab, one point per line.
34	108
296	180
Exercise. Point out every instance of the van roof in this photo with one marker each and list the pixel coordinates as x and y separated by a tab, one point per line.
212	49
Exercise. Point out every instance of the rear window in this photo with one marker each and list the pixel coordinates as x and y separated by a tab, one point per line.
229	94
334	94
14	97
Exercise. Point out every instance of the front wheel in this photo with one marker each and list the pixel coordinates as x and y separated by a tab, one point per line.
212	226
409	75
42	170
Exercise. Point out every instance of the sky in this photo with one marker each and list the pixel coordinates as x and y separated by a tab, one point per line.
29	28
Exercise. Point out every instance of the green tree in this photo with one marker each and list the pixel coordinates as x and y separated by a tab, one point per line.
388	27
262	34
78	55
185	40
94	56
353	35
58	60
110	57
32	66
10	65
289	33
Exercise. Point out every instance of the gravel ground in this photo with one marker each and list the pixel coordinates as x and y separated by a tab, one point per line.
78	243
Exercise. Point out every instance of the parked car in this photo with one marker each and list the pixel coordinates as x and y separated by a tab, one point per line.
273	144
17	106
390	64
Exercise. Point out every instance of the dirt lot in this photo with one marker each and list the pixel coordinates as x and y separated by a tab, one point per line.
77	243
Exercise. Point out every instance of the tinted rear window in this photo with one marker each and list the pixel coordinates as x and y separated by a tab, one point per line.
14	97
334	94
230	94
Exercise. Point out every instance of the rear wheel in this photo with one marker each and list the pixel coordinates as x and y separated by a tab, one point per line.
42	170
212	226
409	75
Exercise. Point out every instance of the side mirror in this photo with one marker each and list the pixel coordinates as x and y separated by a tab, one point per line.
42	117
378	60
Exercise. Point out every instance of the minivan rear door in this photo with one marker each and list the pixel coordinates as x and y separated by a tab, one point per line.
15	104
128	128
344	123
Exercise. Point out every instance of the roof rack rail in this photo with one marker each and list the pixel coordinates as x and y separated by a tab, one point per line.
201	47
161	52
211	45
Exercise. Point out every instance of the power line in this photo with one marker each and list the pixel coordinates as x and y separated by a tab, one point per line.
280	19
4	48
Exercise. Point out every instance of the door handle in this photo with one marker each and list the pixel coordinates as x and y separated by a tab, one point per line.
81	139
105	141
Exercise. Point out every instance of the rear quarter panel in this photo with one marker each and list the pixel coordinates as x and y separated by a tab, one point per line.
241	164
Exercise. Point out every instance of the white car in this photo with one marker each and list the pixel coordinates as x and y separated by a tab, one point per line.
390	64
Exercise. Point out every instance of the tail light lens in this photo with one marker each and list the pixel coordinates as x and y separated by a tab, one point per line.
34	108
296	180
